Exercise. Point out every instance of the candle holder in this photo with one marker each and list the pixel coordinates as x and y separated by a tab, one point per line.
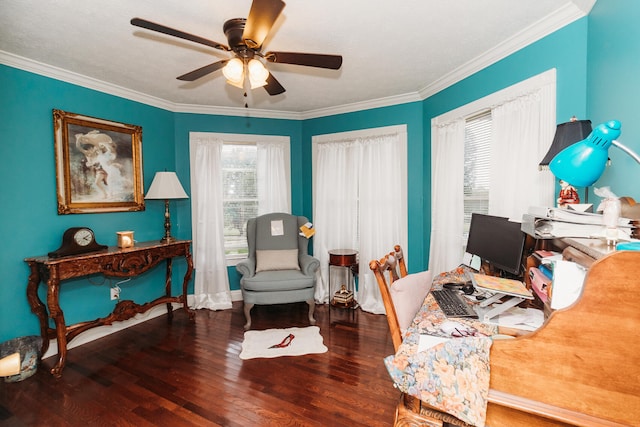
125	239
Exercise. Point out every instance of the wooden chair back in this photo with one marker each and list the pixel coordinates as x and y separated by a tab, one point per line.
388	269
410	410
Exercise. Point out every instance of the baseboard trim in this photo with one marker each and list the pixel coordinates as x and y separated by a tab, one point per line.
103	331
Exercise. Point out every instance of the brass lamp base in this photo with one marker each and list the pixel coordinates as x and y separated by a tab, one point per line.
167	224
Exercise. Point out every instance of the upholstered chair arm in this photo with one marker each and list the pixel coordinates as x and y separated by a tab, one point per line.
247	267
308	264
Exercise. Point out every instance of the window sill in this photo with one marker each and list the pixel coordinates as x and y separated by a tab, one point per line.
232	261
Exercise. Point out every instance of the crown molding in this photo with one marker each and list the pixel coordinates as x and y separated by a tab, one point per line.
81	80
553	22
364	105
235	111
545	26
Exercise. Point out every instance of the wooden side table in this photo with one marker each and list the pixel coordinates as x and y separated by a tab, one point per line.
111	262
343	266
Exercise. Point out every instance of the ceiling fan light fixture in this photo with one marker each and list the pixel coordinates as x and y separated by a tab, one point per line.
245	38
234	72
258	74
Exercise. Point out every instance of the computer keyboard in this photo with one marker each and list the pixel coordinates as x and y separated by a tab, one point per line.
453	304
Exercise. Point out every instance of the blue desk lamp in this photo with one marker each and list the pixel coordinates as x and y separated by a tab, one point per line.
582	163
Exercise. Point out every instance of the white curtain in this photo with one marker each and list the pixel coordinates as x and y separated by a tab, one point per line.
336	205
272	178
360	189
522	130
383	211
211	286
447	204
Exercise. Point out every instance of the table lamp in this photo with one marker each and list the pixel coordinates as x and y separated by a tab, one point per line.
566	134
166	186
583	163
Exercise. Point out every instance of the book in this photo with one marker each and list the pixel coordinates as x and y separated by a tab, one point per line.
307	230
540	283
501	285
546	256
547	270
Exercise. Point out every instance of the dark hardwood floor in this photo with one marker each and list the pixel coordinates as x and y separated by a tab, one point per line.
183	374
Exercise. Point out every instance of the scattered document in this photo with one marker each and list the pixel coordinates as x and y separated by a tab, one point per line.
277	227
528	319
428	341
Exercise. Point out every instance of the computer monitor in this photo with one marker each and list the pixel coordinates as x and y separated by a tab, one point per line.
497	241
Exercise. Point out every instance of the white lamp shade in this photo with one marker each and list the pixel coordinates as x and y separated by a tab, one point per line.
166	185
234	72
258	74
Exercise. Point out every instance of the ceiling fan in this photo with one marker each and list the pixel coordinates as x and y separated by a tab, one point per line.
245	38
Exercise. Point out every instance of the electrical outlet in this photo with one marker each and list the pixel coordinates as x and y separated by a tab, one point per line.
115	293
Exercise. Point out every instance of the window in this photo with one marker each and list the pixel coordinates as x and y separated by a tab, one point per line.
520	126
477	157
239	195
242	176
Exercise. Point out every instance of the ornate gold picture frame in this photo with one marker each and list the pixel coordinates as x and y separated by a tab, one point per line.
98	164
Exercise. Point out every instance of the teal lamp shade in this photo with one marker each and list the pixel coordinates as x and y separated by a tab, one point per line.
582	163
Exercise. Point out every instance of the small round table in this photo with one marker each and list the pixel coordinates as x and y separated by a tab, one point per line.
343	265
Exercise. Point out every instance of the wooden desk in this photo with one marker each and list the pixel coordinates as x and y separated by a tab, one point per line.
581	368
112	262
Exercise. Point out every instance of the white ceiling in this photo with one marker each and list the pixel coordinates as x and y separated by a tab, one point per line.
394	51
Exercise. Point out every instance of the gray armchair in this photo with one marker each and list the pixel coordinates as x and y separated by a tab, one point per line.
278	269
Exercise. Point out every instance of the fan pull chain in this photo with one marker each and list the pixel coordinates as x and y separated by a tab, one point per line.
246	105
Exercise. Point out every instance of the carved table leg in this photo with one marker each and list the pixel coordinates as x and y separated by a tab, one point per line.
37	307
167	288
55	312
185	283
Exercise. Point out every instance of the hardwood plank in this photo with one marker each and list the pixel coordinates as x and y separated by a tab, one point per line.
189	374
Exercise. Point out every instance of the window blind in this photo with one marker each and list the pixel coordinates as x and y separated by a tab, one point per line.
477	156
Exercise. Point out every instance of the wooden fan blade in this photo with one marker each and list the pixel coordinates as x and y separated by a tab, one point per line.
273	87
262	16
201	72
143	23
333	62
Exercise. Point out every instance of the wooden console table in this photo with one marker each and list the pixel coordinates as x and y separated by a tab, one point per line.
111	262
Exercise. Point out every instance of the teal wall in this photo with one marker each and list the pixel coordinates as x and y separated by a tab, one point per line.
613	87
30	224
565	50
597	59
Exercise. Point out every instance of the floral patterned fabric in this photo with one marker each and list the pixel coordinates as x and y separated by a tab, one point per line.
452	376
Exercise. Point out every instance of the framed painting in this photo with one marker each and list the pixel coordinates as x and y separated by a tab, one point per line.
98	164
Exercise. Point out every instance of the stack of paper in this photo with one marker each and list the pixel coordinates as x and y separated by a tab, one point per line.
572	216
556	222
